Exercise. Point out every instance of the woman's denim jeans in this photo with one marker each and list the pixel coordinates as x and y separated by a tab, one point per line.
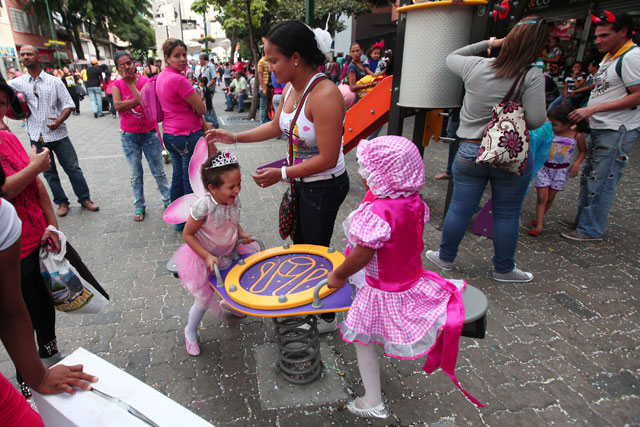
318	204
181	149
607	155
133	145
507	194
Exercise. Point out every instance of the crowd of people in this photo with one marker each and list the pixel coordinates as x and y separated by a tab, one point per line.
310	99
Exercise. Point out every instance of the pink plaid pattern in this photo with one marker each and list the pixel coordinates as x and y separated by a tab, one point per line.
368	229
397	318
393	166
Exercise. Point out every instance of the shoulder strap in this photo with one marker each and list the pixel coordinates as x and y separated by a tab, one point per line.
619	63
517	83
299	109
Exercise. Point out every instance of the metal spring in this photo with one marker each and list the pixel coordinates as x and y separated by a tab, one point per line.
299	349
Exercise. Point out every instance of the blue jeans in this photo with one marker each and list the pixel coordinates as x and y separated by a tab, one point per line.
507	193
95	96
181	148
66	154
211	117
241	97
133	145
264	111
607	156
318	203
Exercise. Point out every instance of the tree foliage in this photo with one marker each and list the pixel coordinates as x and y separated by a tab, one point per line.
125	18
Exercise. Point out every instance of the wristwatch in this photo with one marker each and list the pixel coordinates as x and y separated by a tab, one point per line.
284	173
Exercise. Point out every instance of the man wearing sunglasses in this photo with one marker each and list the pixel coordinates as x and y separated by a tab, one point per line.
50	105
614	119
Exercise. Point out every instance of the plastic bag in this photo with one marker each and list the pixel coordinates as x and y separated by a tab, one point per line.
73	288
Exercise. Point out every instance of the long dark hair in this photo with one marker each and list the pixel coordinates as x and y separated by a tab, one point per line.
522	46
2	180
293	36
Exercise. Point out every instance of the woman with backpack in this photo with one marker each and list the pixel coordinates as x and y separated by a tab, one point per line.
487	81
183	110
138	135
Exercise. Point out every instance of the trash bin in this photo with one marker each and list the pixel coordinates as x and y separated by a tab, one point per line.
433	31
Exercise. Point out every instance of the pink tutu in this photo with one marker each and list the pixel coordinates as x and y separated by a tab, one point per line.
194	274
405	323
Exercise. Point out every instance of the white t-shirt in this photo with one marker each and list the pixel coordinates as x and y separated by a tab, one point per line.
609	87
11	225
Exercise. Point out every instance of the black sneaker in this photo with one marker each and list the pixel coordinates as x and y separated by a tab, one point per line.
95	115
240	111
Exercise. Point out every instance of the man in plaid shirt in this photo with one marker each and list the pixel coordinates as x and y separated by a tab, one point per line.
50	105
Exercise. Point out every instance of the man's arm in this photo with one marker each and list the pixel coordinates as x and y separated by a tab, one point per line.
629	101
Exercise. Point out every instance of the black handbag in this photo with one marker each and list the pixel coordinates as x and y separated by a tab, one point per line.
288	213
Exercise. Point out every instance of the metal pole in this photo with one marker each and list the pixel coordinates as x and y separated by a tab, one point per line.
206	42
309	12
53	33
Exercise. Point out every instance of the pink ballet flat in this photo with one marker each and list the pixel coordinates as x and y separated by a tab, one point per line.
193	349
226	306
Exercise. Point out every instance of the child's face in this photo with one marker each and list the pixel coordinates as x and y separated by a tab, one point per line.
201	83
375	54
559	127
577	69
227	192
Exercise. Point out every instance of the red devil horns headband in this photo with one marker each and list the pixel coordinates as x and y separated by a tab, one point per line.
609	18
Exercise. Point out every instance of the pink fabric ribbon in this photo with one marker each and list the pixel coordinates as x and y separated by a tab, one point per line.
444	352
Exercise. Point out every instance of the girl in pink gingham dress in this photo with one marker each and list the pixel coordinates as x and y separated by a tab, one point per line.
399	305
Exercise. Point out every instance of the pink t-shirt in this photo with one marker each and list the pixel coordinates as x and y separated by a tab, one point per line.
172	89
133	119
14	158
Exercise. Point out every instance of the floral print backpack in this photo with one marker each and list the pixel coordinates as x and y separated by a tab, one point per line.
505	142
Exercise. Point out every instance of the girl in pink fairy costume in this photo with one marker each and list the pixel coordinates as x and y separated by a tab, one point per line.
210	234
399	305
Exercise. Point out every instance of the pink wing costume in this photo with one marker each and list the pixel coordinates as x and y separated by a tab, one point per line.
218	234
399	305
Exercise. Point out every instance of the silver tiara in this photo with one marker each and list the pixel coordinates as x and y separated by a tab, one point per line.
222	159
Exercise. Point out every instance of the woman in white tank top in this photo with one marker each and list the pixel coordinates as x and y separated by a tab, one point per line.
317	168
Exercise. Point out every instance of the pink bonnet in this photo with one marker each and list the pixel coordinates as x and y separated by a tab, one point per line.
391	165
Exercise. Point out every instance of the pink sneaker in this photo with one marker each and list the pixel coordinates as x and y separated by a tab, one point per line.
193	349
226	306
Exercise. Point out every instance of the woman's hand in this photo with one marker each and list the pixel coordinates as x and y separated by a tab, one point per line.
41	160
53	236
335	282
210	260
220	135
267	177
62	378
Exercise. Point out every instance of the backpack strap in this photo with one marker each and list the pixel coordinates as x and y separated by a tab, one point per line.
619	63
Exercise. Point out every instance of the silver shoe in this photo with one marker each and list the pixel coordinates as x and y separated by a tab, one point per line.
380	411
434	257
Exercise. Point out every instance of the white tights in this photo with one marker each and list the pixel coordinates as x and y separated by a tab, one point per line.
369	366
195	316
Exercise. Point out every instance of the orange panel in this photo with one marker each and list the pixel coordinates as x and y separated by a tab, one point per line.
368	114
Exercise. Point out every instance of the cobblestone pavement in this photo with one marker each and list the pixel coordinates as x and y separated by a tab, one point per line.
561	350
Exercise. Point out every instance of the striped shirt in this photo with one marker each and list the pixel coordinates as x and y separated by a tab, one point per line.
47	97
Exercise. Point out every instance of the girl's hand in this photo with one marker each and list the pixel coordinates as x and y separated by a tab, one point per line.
210	260
243	235
220	135
267	177
573	172
62	378
44	241
334	282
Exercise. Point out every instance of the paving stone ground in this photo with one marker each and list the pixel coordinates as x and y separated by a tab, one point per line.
562	350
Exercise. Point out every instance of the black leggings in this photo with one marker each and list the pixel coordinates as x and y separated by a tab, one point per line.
39	303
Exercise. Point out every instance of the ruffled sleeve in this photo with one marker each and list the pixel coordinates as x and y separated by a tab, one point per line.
369	230
201	208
